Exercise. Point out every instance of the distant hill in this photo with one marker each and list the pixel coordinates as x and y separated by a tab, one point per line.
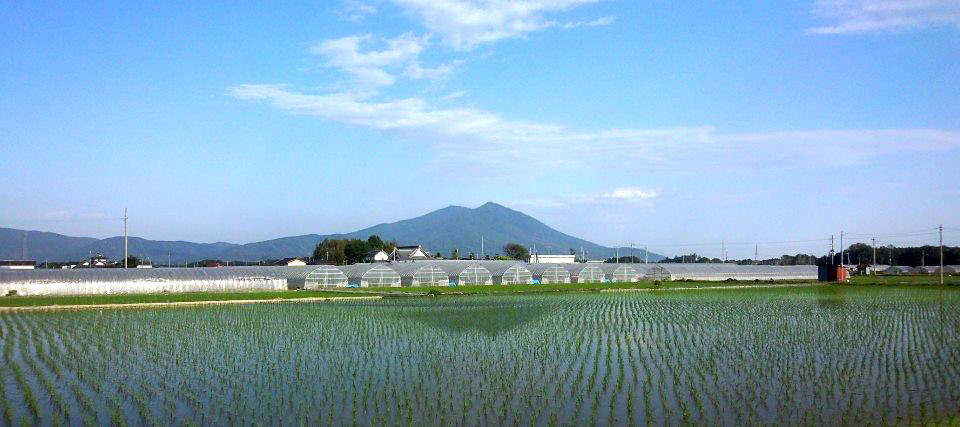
453	227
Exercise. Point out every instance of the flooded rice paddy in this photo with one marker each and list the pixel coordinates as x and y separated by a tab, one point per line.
818	355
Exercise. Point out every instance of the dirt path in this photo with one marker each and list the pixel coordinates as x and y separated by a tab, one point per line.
181	303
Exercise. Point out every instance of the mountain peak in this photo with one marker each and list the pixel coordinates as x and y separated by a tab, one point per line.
491	205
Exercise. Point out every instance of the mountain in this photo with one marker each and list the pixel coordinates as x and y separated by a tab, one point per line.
453	227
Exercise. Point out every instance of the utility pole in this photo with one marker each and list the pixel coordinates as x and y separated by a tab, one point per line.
124	237
618	254
23	247
941	254
723	250
646	255
873	244
756	254
481	246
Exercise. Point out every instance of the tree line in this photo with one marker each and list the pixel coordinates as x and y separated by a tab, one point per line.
855	254
349	251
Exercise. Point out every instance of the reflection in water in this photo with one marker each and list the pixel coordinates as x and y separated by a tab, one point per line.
487	317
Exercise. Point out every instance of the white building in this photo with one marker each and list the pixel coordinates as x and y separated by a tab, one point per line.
552	259
409	253
377	255
292	262
17	265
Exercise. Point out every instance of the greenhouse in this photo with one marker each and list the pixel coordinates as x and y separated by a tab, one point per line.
622	273
898	269
714	272
550	273
421	274
372	275
508	272
153	280
318	277
585	273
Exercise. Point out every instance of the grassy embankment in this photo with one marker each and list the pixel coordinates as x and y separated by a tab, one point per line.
34	301
912	280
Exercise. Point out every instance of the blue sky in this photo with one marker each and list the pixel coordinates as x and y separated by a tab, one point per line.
671	125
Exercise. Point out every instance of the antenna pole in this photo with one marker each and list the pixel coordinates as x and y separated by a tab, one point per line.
941	254
124	237
841	249
723	250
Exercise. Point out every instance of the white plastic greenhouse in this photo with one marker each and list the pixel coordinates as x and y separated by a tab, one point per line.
585	273
318	277
714	272
371	275
421	274
550	273
508	272
154	280
413	273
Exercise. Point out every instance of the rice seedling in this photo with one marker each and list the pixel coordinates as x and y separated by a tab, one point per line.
812	355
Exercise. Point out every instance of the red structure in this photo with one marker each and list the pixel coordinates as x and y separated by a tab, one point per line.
833	273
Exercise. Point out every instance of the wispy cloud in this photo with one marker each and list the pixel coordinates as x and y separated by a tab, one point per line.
494	139
860	16
622	195
464	24
356	10
377	68
600	22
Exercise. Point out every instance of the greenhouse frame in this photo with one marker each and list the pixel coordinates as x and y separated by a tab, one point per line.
421	274
550	273
585	273
372	275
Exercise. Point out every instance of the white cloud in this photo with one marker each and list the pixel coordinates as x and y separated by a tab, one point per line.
378	68
464	24
622	195
494	140
600	22
859	16
454	95
630	193
356	10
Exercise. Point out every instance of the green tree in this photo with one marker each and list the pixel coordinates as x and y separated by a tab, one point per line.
356	250
375	242
388	247
132	262
455	254
516	251
330	251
